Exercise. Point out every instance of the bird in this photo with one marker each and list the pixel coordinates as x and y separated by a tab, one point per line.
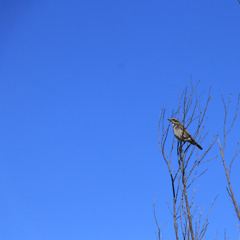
181	133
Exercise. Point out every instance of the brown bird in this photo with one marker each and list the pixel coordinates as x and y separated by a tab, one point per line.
181	133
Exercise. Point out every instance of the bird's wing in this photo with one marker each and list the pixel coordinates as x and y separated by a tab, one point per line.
186	132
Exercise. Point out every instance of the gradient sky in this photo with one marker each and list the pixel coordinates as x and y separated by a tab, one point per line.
82	85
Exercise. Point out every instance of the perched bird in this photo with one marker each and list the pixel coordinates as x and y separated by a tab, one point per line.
181	133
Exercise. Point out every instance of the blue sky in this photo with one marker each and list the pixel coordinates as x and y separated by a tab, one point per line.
82	84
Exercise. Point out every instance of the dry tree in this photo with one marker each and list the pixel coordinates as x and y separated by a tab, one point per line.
183	167
228	169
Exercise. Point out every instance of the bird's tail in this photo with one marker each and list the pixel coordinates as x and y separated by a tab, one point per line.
198	145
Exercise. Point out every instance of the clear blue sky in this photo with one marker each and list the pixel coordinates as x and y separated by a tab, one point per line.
82	84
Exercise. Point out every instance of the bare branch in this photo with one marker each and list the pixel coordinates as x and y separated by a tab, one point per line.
154	213
236	153
222	150
204	227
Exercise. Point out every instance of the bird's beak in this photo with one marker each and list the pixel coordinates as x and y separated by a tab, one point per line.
169	120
